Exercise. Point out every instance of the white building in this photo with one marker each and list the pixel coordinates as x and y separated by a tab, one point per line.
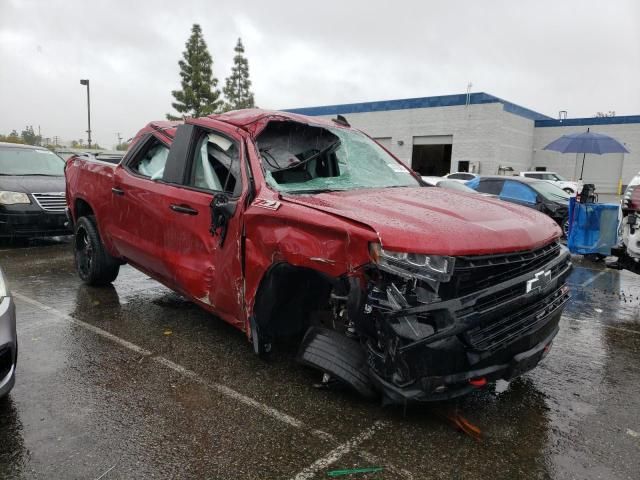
480	132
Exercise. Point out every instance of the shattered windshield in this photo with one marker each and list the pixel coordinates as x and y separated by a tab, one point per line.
301	158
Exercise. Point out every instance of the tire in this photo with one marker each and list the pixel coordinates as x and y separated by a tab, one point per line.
343	358
569	190
93	263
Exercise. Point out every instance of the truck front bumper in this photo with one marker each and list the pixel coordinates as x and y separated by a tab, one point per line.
495	333
33	224
438	388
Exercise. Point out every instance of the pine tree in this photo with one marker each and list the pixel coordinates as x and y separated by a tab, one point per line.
199	96
237	86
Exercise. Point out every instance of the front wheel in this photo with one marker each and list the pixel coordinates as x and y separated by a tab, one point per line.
94	264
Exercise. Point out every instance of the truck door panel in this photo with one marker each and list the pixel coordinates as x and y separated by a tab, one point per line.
139	222
205	263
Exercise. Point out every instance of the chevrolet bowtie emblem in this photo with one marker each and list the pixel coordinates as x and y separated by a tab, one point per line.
539	280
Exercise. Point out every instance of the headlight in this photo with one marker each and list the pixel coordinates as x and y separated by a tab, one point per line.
12	198
413	265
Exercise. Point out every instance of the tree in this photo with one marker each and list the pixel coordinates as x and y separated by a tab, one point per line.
610	113
237	86
199	95
122	146
29	136
13	137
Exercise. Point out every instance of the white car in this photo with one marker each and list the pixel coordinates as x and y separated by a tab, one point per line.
568	186
462	177
448	183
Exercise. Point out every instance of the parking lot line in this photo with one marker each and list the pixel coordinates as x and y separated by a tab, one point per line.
339	452
590	280
333	456
222	389
80	323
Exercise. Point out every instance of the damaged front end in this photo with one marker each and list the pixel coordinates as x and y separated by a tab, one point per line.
437	327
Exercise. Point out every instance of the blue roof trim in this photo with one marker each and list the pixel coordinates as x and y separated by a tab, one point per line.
580	122
421	102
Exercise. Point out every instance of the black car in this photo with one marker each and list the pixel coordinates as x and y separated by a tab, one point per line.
539	194
32	192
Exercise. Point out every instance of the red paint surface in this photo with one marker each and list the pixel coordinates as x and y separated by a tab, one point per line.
327	232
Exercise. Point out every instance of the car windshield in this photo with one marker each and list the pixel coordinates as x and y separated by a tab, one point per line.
453	185
554	177
27	161
550	191
301	158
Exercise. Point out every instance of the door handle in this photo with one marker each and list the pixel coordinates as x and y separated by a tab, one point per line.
117	191
186	209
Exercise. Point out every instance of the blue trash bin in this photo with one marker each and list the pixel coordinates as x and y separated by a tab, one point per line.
593	227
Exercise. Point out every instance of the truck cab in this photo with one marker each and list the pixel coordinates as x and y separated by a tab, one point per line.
288	226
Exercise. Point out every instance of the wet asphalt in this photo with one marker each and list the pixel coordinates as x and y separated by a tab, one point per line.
132	381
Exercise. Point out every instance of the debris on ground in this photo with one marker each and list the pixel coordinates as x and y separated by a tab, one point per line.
352	471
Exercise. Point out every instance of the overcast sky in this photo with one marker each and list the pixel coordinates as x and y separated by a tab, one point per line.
579	56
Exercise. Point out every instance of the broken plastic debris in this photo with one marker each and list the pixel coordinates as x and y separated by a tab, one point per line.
351	471
462	424
168	332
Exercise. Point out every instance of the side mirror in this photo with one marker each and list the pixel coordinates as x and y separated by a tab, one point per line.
222	209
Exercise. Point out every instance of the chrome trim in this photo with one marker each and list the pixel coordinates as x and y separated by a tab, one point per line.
54	202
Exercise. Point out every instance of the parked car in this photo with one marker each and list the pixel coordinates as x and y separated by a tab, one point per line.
32	199
461	177
568	186
537	194
8	339
446	183
283	226
628	251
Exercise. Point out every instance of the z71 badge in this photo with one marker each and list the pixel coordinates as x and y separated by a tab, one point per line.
268	204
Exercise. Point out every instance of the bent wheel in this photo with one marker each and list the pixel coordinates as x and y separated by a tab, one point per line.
342	357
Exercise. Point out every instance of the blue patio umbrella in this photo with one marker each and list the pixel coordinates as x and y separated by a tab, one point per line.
586	142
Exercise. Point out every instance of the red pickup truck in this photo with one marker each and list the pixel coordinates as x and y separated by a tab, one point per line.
289	227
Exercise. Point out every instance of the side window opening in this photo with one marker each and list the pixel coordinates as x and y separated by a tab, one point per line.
519	192
152	160
216	165
490	186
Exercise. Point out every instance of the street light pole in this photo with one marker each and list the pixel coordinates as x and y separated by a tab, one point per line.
86	82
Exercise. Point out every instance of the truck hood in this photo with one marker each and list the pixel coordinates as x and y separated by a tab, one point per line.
32	184
438	221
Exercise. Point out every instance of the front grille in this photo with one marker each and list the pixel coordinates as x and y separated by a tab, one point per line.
494	334
474	273
51	202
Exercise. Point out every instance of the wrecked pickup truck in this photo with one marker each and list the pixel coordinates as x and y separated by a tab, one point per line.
289	227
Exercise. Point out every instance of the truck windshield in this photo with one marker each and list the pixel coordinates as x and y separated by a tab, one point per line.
27	161
301	158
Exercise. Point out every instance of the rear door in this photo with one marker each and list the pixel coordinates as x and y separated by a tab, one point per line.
203	238
136	221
